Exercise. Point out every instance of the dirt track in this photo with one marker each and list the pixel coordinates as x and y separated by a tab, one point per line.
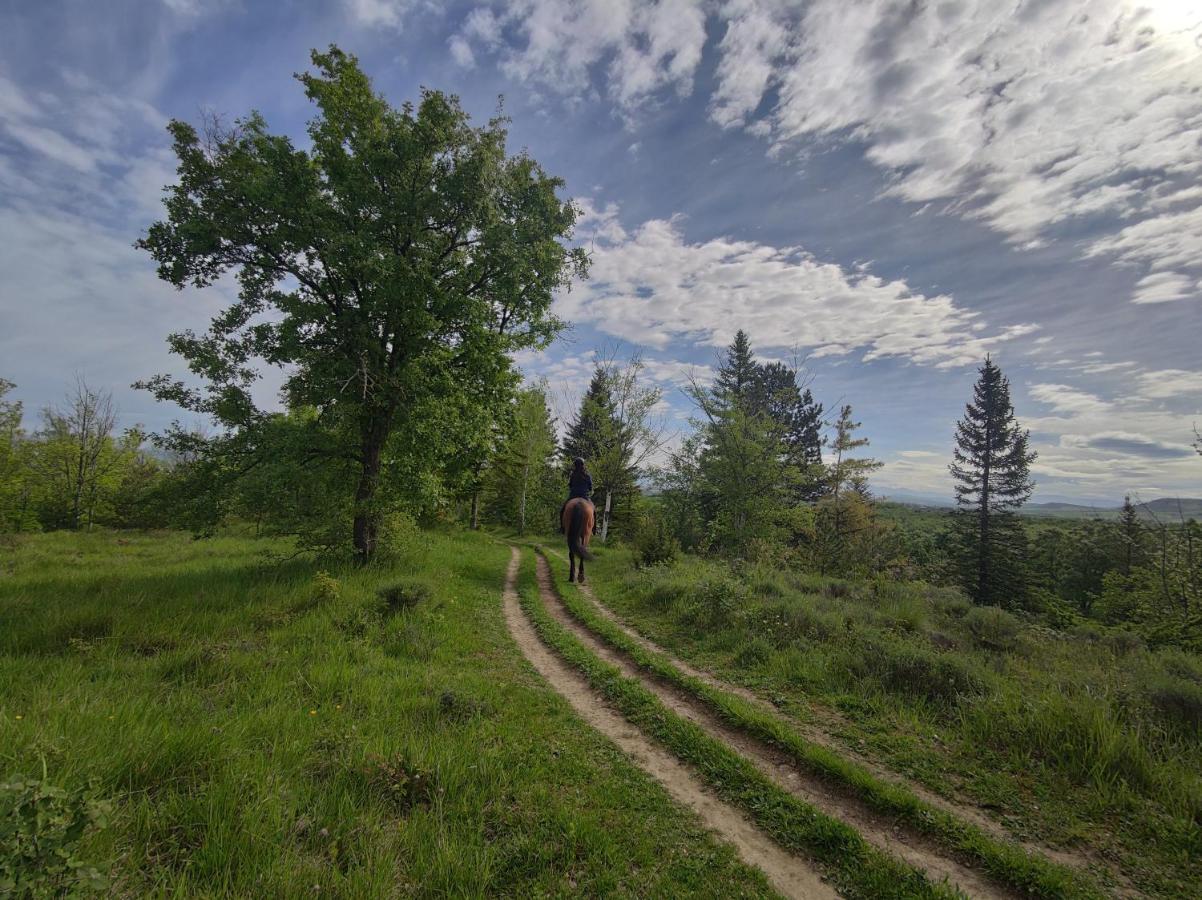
790	875
878	830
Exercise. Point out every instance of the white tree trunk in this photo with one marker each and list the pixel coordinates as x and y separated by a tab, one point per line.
605	517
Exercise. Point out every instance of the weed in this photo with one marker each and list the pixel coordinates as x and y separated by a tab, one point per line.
401	595
399	782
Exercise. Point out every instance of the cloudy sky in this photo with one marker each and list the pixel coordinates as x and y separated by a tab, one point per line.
887	190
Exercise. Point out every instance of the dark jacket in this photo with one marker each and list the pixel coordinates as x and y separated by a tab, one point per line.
580	484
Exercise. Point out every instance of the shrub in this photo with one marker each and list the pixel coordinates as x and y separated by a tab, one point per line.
1178	702
41	828
903	669
458	708
402	595
325	588
654	543
716	598
993	627
400	537
1122	642
951	603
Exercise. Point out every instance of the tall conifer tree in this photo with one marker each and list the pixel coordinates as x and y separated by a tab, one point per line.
991	469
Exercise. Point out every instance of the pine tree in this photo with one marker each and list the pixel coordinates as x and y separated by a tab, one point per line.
737	374
592	430
992	472
797	419
847	507
1131	537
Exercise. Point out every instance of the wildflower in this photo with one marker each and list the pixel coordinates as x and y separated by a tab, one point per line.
312	712
337	706
19	718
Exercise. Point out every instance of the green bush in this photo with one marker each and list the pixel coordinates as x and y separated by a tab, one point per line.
753	652
399	782
716	598
406	594
1178	702
992	627
654	543
41	828
904	669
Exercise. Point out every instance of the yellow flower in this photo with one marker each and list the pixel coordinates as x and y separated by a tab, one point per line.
19	718
338	706
312	712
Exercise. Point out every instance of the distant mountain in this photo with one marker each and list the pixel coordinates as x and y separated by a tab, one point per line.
1166	509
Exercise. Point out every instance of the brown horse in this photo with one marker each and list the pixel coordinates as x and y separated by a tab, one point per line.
578	526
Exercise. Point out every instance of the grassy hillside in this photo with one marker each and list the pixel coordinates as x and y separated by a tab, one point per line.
263	729
1084	741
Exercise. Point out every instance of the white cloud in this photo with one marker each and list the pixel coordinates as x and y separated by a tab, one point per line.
461	52
1167	383
1023	115
651	287
647	47
1163	287
1064	399
378	13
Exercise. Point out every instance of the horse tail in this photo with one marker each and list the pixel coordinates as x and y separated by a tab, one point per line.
576	532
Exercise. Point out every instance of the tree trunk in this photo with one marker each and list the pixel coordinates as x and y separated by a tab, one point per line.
475	524
366	527
522	501
605	516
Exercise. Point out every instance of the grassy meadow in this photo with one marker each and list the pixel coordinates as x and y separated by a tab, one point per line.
1083	740
258	725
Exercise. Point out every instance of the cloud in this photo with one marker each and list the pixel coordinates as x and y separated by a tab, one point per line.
1162	287
1129	444
652	287
645	47
1166	383
1023	116
461	52
1065	399
378	13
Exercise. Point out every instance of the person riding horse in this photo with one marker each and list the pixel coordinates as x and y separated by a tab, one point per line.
577	519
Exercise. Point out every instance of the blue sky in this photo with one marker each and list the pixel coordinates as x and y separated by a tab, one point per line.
887	190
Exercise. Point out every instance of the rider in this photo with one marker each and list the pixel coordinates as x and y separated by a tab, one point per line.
580	484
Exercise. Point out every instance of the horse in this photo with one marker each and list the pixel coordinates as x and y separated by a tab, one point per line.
578	526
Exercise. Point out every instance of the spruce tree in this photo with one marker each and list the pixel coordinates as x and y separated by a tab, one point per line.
1131	538
991	469
599	437
737	373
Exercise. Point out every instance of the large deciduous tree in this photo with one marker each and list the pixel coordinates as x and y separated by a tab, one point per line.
391	268
991	469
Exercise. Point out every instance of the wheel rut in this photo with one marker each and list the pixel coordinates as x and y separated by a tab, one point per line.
788	874
816	734
879	830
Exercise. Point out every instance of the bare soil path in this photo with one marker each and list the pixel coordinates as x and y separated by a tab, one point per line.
788	874
894	839
817	734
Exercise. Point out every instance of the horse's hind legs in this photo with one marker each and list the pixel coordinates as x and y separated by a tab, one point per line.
571	568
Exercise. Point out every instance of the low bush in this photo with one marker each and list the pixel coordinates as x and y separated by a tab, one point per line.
992	627
402	595
716	598
654	543
904	669
399	781
1178	702
753	652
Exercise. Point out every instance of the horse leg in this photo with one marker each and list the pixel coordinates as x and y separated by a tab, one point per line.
571	567
580	577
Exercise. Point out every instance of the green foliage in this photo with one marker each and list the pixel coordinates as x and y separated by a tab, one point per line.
402	595
654	542
1179	702
326	588
390	271
42	828
399	782
522	485
993	628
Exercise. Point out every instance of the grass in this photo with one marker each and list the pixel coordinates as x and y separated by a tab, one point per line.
1006	862
1075	740
857	868
263	729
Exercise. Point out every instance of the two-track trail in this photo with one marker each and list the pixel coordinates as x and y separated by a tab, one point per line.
788	874
879	830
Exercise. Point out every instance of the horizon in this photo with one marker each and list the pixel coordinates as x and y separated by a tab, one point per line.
816	176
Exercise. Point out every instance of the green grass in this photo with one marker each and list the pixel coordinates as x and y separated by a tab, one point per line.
1008	863
1075	740
857	868
263	731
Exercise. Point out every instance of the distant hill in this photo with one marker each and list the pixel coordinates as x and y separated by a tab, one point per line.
1166	509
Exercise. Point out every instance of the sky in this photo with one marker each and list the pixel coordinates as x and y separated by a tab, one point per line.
882	191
